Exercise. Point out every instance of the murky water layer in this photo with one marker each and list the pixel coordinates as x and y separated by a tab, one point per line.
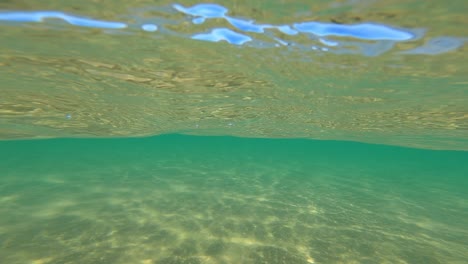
323	71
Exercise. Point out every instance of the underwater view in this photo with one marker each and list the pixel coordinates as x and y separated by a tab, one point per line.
157	132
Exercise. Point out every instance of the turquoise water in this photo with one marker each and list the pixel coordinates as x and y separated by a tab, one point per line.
188	199
233	132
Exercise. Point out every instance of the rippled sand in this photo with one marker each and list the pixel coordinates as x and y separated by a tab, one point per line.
221	200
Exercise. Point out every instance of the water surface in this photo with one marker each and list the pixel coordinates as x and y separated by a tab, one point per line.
233	132
371	71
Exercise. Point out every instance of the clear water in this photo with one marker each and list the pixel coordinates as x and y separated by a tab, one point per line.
187	199
274	132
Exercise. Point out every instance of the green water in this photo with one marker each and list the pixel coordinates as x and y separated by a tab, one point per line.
188	199
143	84
135	147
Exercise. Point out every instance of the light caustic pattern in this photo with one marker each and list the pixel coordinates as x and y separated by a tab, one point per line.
324	37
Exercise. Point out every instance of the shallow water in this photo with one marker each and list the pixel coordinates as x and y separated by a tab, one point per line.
187	199
275	132
356	70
